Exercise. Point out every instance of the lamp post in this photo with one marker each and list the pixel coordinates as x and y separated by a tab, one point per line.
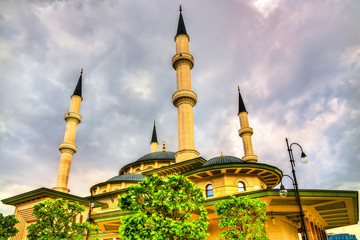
283	192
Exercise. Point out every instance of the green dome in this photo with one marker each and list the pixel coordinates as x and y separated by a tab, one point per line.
157	156
222	160
121	178
127	178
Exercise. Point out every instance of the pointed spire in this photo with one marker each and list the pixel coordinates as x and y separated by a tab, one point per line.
241	103
154	137
181	25
77	91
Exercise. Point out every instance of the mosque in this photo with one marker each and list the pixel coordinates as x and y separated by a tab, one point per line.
219	177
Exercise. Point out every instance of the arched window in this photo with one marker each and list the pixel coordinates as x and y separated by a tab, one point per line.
209	191
241	187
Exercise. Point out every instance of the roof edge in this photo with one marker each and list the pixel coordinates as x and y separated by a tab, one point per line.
46	192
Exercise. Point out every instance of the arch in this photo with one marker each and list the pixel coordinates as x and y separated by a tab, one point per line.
149	167
241	186
137	170
209	191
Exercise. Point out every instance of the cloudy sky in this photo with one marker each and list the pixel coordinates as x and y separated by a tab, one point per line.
297	64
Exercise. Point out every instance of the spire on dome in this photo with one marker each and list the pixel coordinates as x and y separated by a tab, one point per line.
181	25
77	90
154	137
241	103
164	148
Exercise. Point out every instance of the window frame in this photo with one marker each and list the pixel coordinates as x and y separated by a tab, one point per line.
209	192
243	187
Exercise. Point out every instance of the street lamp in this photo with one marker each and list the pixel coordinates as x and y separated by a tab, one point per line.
283	191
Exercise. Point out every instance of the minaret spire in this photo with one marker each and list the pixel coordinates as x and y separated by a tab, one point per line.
68	147
78	87
184	99
245	132
181	25
241	103
154	145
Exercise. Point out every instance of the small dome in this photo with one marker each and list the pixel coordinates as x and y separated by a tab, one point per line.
157	156
127	178
121	178
222	160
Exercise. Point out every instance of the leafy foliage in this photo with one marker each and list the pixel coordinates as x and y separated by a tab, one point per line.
7	226
161	209
56	221
243	217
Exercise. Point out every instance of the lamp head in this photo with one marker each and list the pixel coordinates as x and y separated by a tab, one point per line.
283	192
304	159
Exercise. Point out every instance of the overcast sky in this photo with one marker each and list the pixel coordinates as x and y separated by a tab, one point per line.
297	64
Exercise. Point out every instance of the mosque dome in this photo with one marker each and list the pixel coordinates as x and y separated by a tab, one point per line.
134	178
127	178
157	156
222	160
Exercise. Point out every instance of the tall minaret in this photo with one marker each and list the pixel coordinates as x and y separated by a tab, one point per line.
154	145
184	98
245	132
67	147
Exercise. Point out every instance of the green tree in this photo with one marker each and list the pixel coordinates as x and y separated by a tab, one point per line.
163	209
243	218
7	226
56	221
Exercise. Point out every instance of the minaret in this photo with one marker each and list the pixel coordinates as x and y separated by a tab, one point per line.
67	147
184	98
154	145
245	132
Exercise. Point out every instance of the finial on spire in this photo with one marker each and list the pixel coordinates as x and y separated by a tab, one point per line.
180	8
164	150
154	120
238	88
82	69
222	154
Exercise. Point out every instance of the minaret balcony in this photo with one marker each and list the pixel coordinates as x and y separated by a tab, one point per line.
184	96
67	147
182	57
73	116
246	130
